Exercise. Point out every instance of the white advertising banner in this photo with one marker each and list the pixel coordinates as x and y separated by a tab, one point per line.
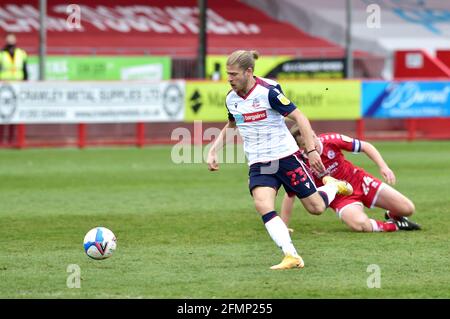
91	102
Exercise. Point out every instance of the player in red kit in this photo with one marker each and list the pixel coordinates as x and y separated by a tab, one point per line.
368	190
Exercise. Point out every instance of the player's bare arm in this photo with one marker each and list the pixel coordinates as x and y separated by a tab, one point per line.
376	157
218	144
307	132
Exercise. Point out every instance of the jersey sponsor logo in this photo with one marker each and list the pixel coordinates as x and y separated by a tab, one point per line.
284	100
330	170
256	116
331	154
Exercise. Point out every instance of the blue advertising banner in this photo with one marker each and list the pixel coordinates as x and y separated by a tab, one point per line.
382	99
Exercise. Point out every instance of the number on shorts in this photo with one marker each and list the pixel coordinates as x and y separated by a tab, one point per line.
297	176
368	181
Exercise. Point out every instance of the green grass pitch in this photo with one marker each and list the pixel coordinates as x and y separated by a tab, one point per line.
184	232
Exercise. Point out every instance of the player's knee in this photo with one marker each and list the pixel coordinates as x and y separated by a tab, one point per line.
408	208
316	208
361	225
356	227
403	207
262	206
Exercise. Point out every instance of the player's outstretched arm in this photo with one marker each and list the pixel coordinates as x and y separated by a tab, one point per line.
306	131
376	157
217	145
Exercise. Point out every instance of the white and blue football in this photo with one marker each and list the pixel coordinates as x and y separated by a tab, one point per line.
99	243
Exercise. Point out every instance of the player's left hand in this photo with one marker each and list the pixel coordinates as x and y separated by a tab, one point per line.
388	175
212	161
316	163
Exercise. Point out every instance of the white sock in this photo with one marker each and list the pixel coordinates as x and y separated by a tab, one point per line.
280	235
330	189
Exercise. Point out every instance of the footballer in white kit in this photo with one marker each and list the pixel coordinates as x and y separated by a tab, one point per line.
257	107
259	116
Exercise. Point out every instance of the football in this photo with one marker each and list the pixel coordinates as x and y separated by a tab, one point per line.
99	243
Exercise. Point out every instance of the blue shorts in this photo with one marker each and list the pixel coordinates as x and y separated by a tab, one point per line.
289	171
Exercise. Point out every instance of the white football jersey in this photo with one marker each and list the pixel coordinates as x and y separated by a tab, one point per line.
259	117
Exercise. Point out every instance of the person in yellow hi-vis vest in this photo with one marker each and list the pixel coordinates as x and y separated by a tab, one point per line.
13	61
13	67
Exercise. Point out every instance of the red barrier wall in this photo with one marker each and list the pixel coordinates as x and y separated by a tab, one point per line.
45	135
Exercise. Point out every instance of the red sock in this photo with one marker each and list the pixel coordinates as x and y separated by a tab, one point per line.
393	216
379	226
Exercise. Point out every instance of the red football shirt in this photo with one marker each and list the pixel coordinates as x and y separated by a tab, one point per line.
333	159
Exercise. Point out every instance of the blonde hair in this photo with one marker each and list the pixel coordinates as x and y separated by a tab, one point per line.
244	59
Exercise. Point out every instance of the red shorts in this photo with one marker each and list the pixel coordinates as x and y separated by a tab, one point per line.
365	190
